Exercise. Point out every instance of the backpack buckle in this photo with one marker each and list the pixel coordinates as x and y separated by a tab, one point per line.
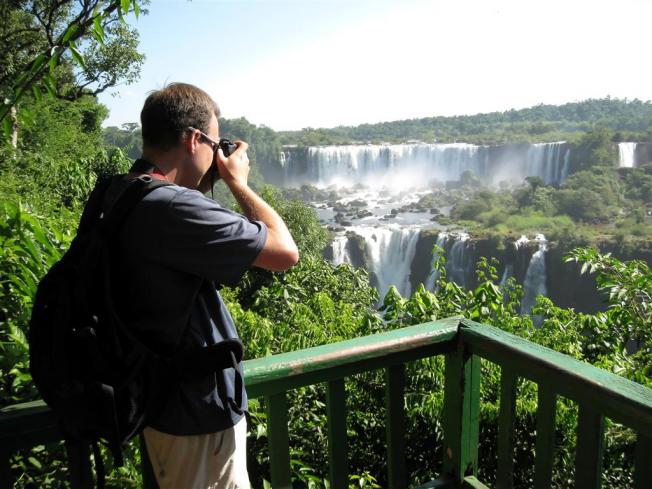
145	178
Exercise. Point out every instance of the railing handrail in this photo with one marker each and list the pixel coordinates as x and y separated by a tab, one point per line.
598	392
283	371
276	373
621	399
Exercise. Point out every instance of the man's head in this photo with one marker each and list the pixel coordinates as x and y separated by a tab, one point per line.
185	155
169	112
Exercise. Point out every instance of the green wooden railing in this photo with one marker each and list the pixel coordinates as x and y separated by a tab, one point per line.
598	393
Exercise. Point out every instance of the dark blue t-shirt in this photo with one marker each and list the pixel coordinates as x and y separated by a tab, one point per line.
176	248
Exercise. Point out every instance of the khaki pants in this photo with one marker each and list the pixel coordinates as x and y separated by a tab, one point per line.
213	461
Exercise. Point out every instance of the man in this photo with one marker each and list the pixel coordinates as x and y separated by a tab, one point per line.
177	248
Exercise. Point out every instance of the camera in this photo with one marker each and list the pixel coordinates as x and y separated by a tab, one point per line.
227	146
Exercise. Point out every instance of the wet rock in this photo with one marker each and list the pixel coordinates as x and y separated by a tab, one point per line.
336	229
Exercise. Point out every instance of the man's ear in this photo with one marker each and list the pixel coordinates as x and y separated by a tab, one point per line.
191	141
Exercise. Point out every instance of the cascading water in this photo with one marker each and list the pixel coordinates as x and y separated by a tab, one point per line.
565	167
458	261
544	160
534	284
408	165
390	251
340	253
626	155
509	271
509	267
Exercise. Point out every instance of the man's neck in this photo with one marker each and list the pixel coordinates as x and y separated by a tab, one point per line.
167	163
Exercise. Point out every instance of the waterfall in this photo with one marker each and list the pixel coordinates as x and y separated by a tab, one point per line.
509	271
459	261
340	252
404	166
389	250
564	169
509	267
626	155
534	284
544	160
433	276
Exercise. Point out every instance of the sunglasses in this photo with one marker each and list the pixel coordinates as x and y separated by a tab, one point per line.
228	147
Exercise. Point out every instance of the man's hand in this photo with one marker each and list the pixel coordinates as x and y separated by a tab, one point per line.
234	170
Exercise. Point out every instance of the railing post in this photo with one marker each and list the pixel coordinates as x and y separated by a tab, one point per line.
79	461
279	444
6	481
545	443
461	414
506	417
337	445
588	454
395	426
643	461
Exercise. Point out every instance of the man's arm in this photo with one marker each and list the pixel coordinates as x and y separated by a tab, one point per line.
280	251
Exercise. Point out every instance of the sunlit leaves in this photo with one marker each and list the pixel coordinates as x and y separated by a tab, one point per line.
59	40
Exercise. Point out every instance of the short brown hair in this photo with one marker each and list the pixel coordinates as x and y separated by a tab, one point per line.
168	112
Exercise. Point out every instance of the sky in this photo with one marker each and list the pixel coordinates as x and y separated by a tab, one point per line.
322	63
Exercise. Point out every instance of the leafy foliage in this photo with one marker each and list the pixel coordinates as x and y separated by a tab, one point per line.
38	37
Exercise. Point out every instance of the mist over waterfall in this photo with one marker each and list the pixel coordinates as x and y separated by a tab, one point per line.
626	155
409	165
535	277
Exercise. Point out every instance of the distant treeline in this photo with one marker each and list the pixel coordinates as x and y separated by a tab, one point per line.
612	119
541	123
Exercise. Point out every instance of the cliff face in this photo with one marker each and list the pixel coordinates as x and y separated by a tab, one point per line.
643	153
422	263
566	287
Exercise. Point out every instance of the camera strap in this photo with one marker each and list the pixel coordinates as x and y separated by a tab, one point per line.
143	166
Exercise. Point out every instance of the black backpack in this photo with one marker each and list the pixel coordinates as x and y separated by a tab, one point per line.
103	383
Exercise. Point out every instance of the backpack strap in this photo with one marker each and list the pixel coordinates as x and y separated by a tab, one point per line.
136	190
195	362
93	207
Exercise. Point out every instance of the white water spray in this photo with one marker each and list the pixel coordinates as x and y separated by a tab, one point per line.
626	155
534	284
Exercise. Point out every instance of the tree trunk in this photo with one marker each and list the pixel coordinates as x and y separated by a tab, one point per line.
14	127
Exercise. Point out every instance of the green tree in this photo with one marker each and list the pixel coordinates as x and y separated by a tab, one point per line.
595	148
582	204
37	37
